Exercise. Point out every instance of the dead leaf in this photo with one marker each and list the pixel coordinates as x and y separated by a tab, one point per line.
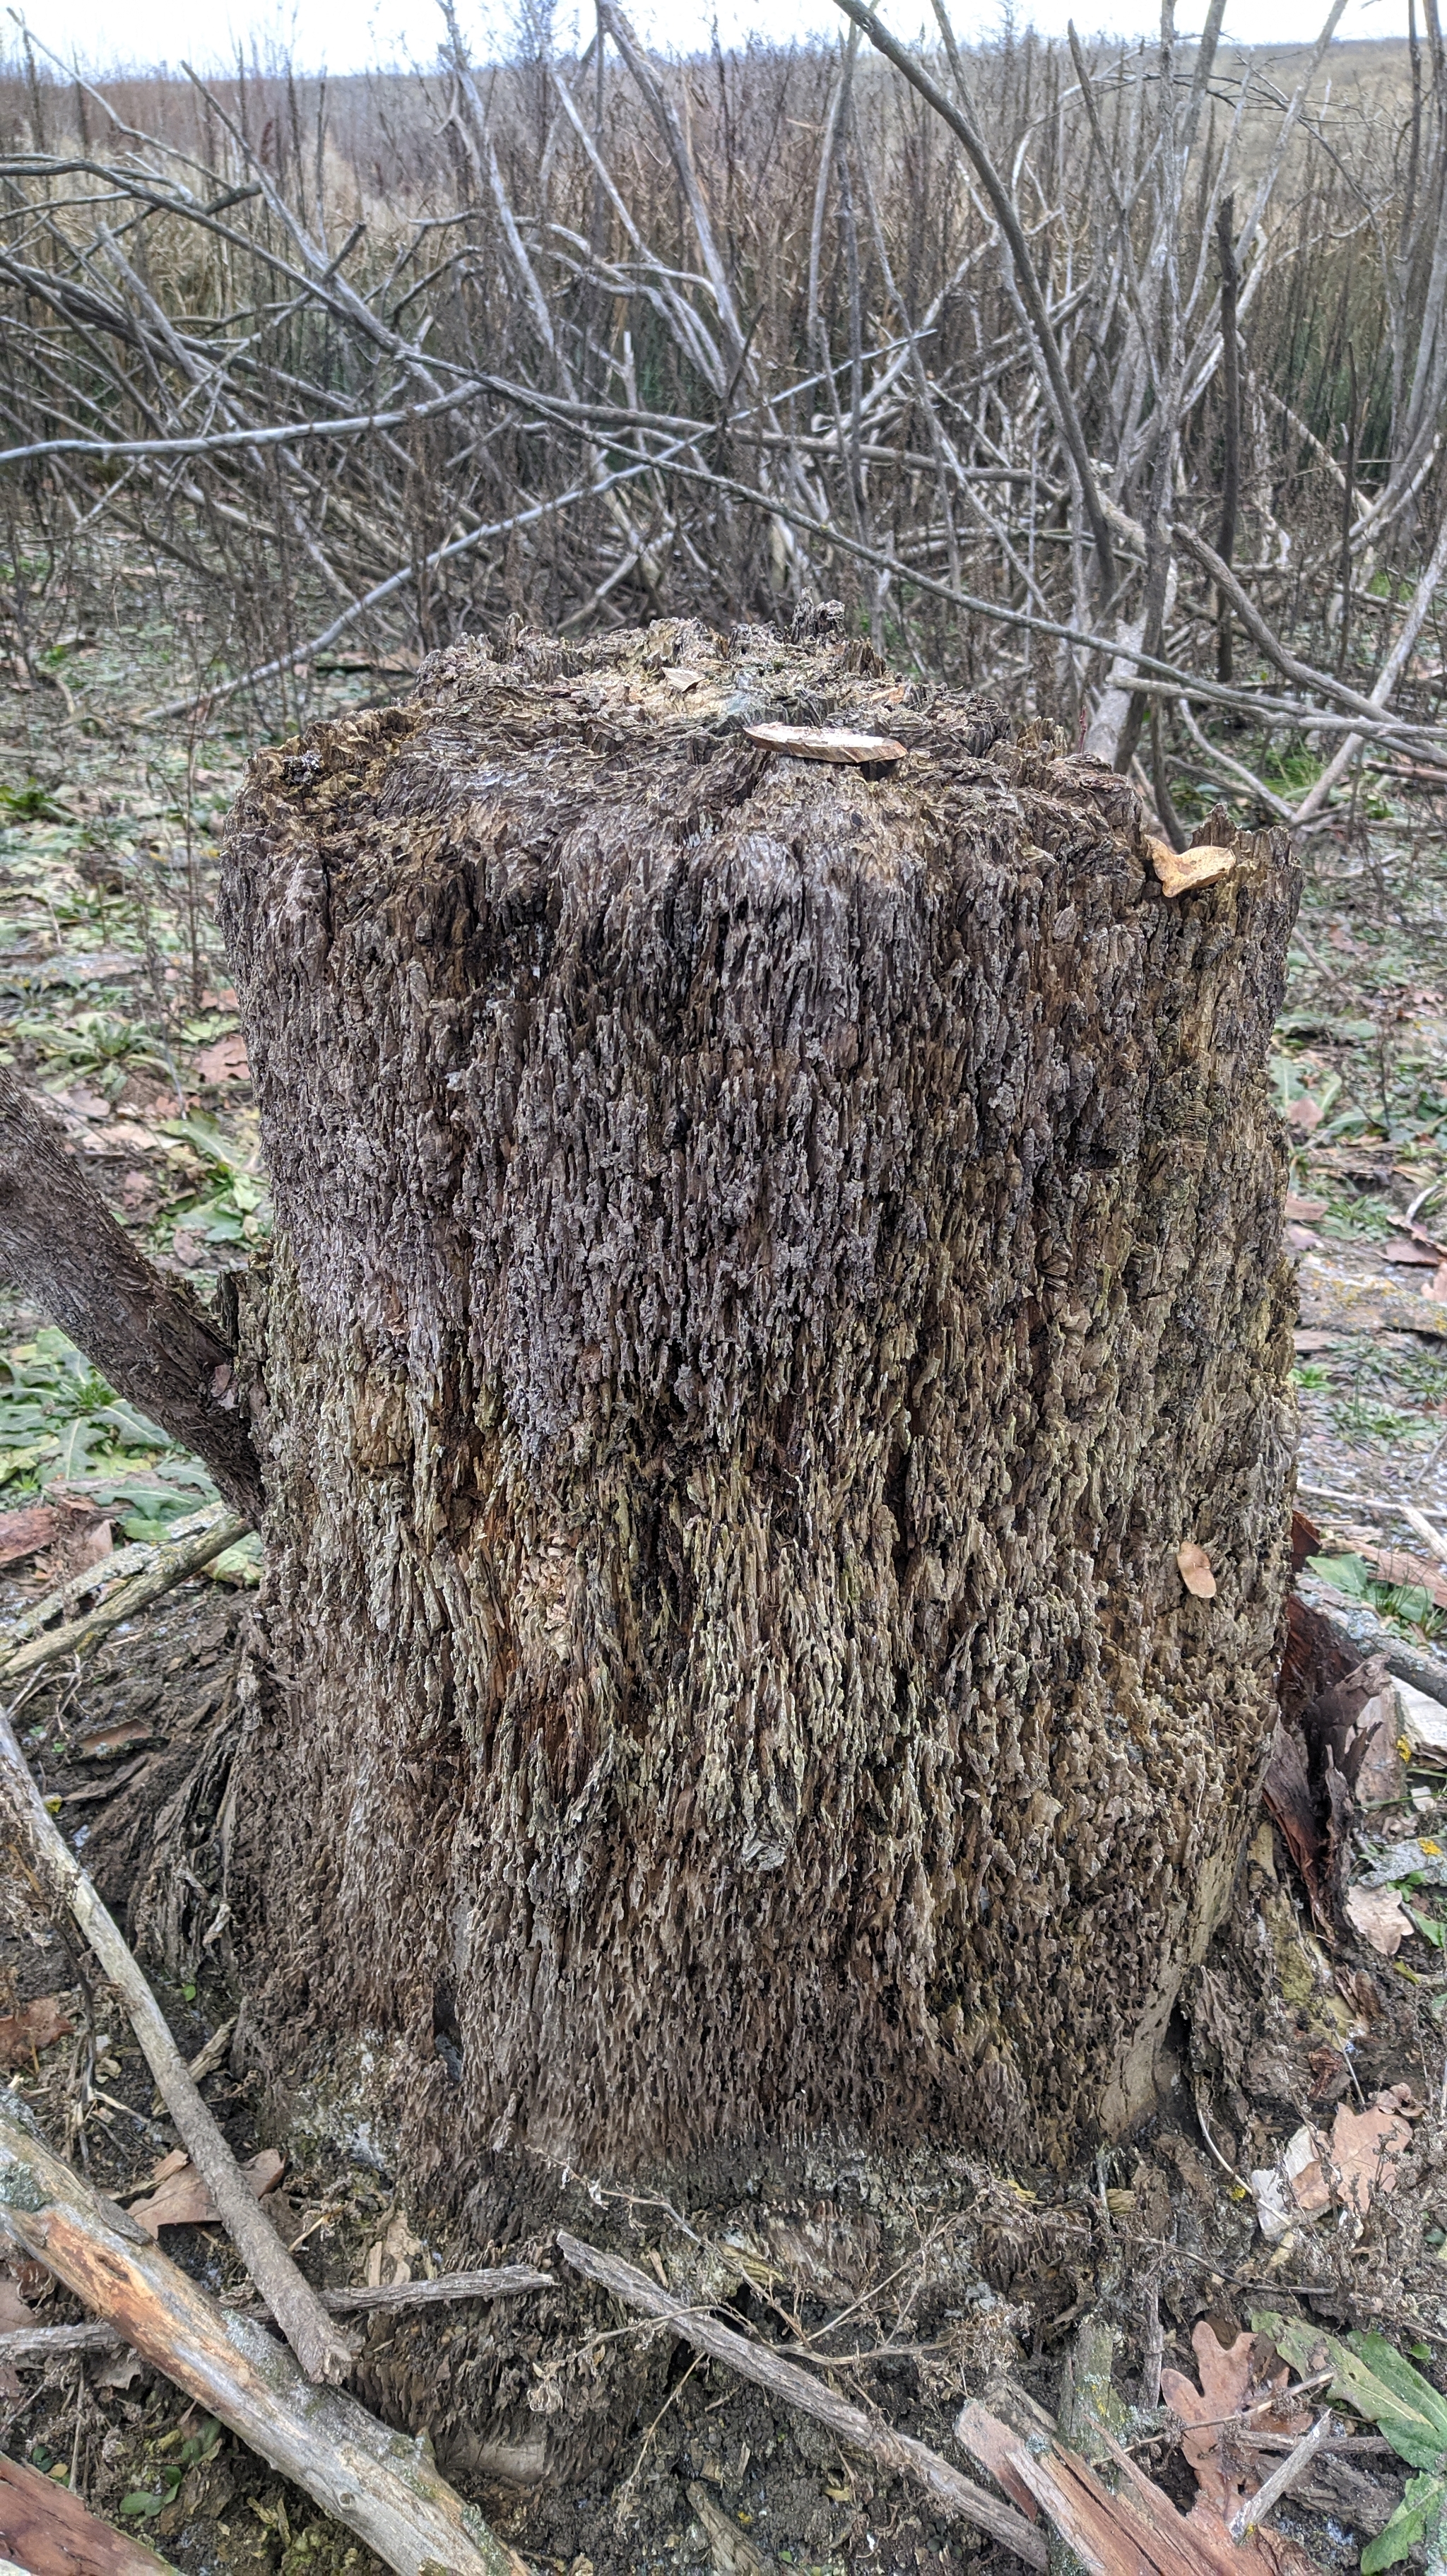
1304	1112
114	1739
1234	2377
1313	2174
183	2200
24	1533
1380	1917
820	742
37	2025
15	2316
1409	1255
681	679
226	1061
1365	2147
1195	1566
1303	1211
389	2259
1302	1238
1180	870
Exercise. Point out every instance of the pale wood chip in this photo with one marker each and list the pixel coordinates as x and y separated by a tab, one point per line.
818	742
1179	870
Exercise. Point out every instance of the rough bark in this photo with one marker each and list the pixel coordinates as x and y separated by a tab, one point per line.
773	1263
60	1244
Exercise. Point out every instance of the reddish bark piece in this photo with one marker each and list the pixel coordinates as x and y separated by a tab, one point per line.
819	742
1136	2533
46	2529
37	2025
1302	1211
24	1533
182	2199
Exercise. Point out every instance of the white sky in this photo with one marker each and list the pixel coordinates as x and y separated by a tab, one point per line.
352	35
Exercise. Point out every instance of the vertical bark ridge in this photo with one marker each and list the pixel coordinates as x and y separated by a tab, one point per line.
773	1262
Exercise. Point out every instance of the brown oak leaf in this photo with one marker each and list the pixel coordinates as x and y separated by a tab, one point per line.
23	2034
1246	2375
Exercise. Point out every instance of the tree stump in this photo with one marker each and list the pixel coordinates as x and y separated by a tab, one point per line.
774	1261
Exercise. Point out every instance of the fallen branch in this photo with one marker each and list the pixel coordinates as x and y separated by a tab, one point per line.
52	2343
61	1245
503	2283
319	2346
900	2452
169	1565
382	2486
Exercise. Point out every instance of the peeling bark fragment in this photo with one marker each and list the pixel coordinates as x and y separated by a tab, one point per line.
773	1265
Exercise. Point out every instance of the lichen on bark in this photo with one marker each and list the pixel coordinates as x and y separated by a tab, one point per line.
772	1264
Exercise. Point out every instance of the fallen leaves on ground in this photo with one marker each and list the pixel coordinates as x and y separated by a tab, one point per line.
25	1533
1314	2174
182	2198
1381	1918
1247	2375
37	2025
224	1062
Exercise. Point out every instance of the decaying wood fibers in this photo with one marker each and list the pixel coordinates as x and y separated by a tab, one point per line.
772	1263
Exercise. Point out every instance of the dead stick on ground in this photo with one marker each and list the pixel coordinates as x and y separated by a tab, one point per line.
320	2346
900	2452
508	2281
171	1565
504	2283
1256	2508
379	2484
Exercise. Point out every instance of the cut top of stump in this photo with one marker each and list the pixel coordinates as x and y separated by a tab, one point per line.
550	845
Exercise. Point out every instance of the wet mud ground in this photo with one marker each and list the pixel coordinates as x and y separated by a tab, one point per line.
917	2286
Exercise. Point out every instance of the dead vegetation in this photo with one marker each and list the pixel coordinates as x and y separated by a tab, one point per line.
1060	370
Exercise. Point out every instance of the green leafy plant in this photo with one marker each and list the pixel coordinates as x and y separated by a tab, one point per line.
1373	2378
1410	1604
235	1207
61	1424
95	1042
143	2503
27	804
